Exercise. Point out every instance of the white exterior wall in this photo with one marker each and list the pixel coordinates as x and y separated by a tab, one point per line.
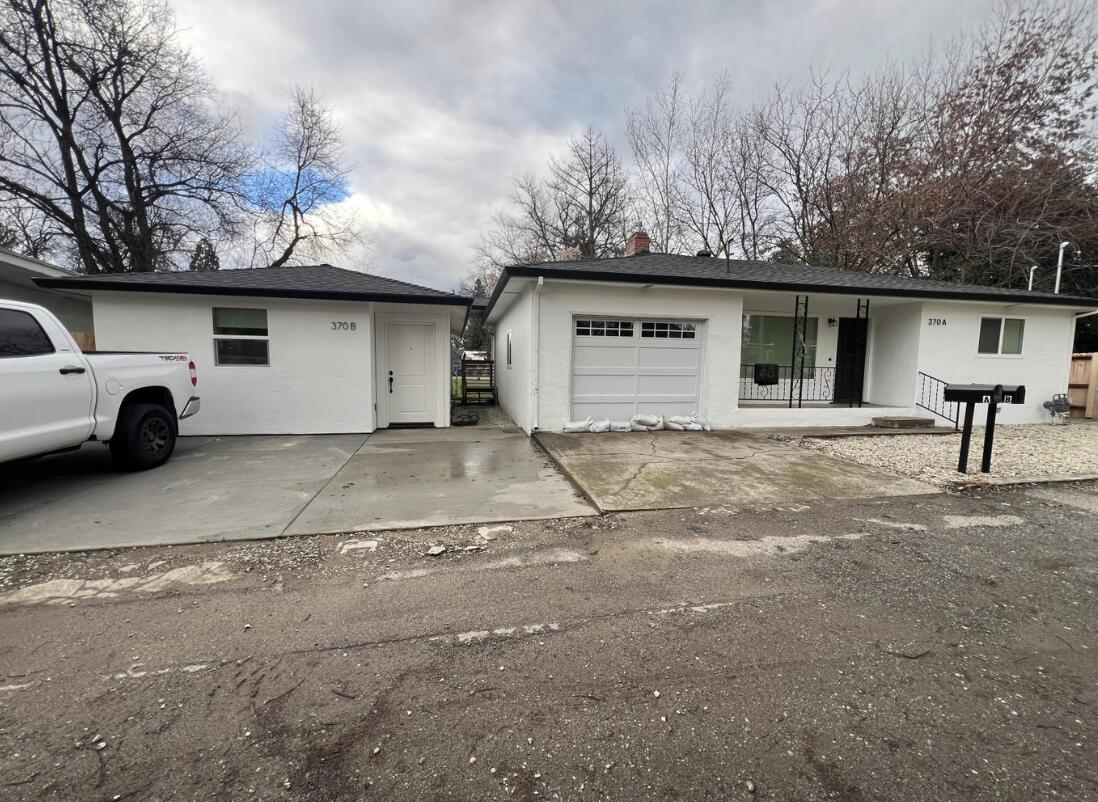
561	301
949	352
892	363
319	381
513	382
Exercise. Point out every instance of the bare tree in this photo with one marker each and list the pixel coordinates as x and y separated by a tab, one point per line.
656	131
576	212
108	132
707	202
301	186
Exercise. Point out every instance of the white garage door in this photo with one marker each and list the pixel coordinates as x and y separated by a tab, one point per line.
629	366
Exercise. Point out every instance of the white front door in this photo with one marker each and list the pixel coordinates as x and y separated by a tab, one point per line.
410	381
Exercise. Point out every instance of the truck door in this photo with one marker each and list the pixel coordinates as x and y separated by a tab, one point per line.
46	390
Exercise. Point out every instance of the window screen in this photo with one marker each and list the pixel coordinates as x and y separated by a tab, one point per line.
252	322
20	335
1013	328
768	339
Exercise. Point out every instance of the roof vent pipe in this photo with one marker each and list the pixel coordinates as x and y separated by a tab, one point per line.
704	252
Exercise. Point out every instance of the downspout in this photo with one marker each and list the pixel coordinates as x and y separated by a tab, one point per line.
535	350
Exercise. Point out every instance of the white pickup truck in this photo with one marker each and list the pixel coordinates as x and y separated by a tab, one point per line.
54	398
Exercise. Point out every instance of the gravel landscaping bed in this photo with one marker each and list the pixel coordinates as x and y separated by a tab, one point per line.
1032	450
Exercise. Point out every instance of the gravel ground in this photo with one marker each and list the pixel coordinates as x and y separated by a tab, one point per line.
1032	450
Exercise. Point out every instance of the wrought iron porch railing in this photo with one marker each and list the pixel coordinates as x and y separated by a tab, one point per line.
816	384
931	397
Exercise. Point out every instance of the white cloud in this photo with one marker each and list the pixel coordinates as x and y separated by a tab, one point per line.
441	103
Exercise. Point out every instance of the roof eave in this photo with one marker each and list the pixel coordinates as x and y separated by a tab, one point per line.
308	295
747	284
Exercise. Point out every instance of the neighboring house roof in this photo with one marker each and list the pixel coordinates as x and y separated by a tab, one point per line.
23	270
707	271
317	282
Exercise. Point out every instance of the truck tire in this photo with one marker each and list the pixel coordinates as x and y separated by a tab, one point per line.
144	437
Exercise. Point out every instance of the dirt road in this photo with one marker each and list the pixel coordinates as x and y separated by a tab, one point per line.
933	647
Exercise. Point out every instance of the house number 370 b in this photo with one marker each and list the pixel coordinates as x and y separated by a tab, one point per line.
344	325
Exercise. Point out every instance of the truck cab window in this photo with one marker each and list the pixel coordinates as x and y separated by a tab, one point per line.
20	335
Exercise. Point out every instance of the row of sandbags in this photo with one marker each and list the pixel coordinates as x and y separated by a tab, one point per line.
641	423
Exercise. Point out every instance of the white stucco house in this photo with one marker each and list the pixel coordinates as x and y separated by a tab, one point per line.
293	350
750	344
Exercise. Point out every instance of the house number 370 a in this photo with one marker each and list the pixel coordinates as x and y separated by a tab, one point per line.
344	325
935	321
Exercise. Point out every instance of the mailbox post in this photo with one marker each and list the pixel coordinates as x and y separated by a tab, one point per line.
991	394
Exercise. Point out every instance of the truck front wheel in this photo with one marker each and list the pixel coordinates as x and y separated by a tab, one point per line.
144	437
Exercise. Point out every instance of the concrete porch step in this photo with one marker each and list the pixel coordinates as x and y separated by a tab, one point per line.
902	422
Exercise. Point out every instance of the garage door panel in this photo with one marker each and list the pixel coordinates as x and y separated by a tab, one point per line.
604	386
619	377
674	386
593	356
660	357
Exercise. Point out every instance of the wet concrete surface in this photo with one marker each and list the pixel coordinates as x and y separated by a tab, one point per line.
406	478
240	488
213	488
662	470
910	648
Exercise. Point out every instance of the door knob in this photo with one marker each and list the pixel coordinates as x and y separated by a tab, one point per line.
390	381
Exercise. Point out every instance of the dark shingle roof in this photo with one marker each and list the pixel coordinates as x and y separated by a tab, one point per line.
318	282
706	271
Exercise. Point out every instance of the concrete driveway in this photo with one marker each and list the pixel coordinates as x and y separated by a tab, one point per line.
240	488
735	469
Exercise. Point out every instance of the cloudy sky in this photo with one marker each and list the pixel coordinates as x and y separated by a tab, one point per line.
441	103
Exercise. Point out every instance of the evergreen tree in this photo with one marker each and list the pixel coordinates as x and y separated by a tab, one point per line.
204	257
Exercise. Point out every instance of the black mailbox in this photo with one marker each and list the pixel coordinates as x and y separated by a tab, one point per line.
766	373
972	394
986	393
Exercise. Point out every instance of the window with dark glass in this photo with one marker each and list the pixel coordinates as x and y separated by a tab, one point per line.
240	336
661	330
20	335
1001	335
604	328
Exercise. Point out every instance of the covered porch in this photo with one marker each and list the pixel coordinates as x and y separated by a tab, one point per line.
829	360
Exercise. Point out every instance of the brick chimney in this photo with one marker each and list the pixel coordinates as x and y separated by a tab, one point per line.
637	243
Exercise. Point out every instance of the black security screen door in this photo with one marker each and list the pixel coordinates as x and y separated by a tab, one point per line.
850	360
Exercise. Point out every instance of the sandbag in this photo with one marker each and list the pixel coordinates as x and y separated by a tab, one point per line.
600	426
646	420
675	427
620	426
578	425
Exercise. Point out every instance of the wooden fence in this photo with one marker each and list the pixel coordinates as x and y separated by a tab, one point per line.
1083	386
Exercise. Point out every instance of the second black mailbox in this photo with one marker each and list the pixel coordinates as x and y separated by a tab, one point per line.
986	393
991	394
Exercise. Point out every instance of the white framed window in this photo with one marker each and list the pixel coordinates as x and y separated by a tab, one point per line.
240	336
661	330
508	348
603	328
1001	336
